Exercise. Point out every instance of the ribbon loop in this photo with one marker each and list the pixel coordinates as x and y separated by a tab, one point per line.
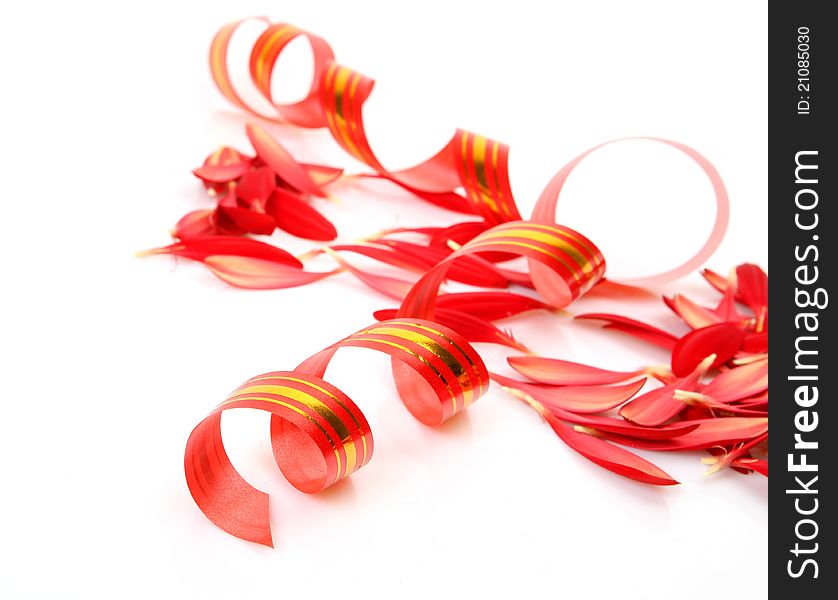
318	434
567	264
545	210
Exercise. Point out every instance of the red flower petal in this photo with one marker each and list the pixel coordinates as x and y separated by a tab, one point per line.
254	188
224	165
322	175
227	156
475	329
389	286
635	328
281	162
753	289
609	456
758	402
220	174
623	427
195	224
659	405
718	408
246	219
471	270
693	315
199	248
574	398
449	200
709	433
224	224
722	339
717	281
740	382
754	464
298	218
564	372
739	451
461	233
756	343
726	310
385	255
490	305
259	274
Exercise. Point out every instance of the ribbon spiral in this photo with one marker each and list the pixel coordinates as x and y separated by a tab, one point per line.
318	434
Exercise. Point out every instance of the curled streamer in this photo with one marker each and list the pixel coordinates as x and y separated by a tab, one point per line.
572	264
318	434
474	163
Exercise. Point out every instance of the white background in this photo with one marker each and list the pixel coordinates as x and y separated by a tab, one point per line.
109	361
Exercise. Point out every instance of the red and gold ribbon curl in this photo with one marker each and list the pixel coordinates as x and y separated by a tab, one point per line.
572	264
318	434
335	100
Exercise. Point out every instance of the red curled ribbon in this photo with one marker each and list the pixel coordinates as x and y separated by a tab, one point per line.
475	163
319	436
571	263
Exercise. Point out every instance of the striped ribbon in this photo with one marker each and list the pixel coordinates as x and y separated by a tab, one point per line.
571	263
335	100
318	434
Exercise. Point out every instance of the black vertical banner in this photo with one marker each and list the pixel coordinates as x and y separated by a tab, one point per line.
803	259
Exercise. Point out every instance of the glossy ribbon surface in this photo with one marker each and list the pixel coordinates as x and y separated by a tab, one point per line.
318	434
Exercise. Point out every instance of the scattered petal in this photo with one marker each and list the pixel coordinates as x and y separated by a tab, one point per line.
200	248
554	371
281	162
740	382
385	255
247	220
197	223
577	399
693	315
723	340
659	405
726	309
322	175
259	274
298	218
753	289
491	305
609	456
389	286
754	464
471	270
717	281
710	432
254	188
635	328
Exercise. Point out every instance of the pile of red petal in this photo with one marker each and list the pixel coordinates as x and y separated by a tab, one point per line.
254	195
257	194
713	396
